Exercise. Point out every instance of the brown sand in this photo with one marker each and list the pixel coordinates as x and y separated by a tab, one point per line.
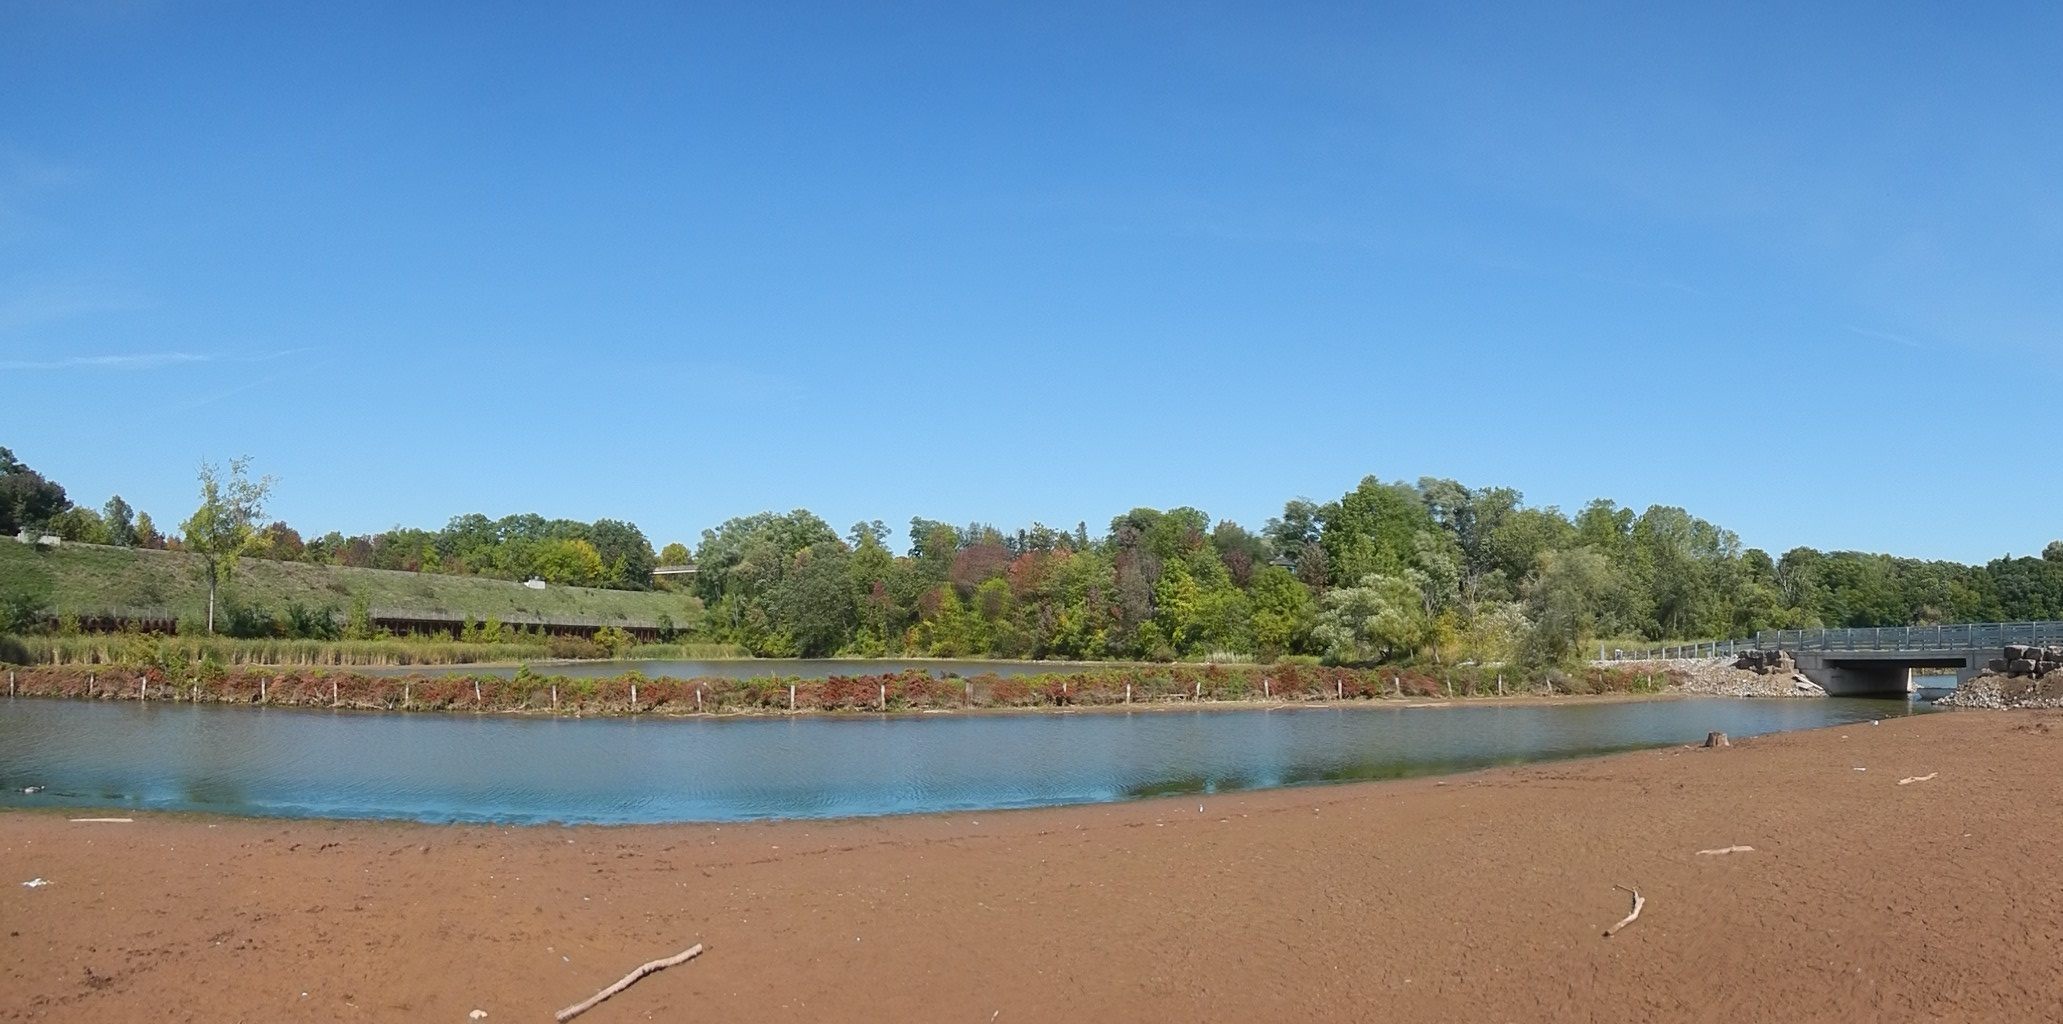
1482	897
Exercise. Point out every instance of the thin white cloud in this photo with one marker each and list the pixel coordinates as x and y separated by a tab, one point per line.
137	361
1895	339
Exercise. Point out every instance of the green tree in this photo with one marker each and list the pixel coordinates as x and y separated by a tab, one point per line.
1372	530
1380	619
626	554
813	602
225	526
1282	611
1572	602
147	532
80	525
570	562
121	522
26	498
675	553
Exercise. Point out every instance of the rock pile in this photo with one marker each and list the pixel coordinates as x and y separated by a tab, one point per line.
2023	660
1717	678
1767	663
1997	692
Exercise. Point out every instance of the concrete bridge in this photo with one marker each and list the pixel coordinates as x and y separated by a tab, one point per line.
1873	662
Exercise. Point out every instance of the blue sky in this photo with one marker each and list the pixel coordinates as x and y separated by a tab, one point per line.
1794	267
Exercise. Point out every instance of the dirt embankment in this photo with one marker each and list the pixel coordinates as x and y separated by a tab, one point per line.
908	690
1480	897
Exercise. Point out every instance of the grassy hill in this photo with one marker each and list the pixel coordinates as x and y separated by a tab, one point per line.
89	579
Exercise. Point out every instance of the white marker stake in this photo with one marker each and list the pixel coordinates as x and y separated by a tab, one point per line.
633	696
1128	693
791	696
555	696
261	688
884	696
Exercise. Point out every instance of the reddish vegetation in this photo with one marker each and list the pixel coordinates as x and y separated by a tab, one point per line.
1481	897
900	691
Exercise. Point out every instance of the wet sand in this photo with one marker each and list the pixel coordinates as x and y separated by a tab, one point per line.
1480	897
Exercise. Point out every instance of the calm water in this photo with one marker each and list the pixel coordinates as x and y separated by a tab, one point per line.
434	767
801	668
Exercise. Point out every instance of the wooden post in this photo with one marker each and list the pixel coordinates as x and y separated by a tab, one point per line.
261	688
791	696
698	698
1267	687
1397	684
555	696
1199	689
406	686
477	701
1128	693
1500	684
333	692
884	696
1339	689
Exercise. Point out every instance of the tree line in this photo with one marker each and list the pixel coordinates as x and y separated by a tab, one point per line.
1389	571
604	553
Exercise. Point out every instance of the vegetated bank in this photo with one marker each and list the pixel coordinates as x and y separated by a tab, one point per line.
174	652
84	581
911	690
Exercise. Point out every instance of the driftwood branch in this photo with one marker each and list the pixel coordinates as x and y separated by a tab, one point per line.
657	965
1917	778
1726	849
1638	903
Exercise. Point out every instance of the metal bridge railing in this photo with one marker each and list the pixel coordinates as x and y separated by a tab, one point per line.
1965	637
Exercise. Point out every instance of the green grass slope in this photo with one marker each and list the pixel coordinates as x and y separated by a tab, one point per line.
88	579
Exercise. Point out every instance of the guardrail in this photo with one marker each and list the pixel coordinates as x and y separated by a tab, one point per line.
1965	637
1679	652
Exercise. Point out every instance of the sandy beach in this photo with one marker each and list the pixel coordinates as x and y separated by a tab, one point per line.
1480	897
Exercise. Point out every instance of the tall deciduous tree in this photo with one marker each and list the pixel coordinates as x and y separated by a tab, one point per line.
26	498
225	526
147	532
121	522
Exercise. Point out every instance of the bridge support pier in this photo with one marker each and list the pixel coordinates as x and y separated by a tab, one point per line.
1882	673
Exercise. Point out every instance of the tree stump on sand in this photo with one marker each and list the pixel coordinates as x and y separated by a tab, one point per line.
1716	739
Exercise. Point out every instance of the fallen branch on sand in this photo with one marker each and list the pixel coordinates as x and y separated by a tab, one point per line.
118	821
657	965
1638	903
1726	849
1918	778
